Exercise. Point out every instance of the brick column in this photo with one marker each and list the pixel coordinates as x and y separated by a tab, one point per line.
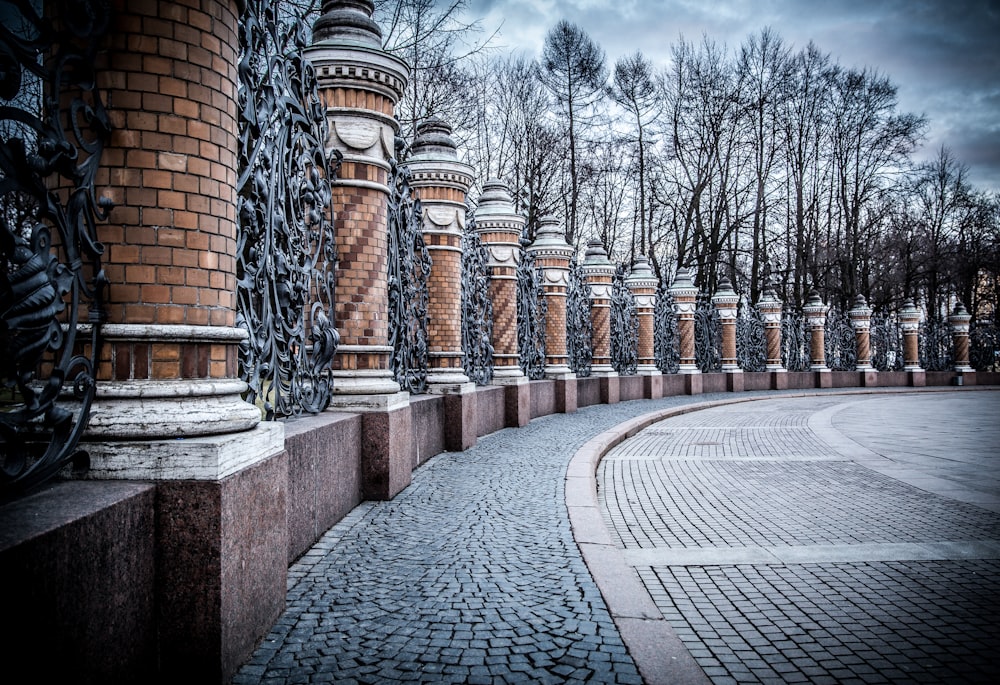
499	227
685	303
361	85
599	272
726	301
815	314
861	321
770	310
909	322
441	182
959	320
642	284
168	405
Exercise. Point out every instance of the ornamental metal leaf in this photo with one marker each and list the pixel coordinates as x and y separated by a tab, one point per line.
886	342
409	266
935	343
579	327
840	341
53	130
794	341
624	325
285	250
477	307
666	341
751	340
532	311
707	335
984	347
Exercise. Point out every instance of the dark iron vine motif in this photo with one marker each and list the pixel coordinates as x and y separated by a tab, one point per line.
477	307
751	340
794	341
984	347
886	342
840	341
707	335
624	326
532	311
285	250
666	340
409	266
579	327
53	130
935	345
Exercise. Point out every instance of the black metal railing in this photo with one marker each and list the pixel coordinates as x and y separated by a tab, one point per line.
531	315
984	347
886	342
707	335
477	307
935	345
840	341
624	326
751	339
666	342
579	327
794	341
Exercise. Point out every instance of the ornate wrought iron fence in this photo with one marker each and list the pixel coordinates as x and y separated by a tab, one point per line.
935	345
285	251
794	341
409	266
624	326
579	327
751	341
665	337
531	314
477	307
984	347
707	335
886	342
840	341
53	130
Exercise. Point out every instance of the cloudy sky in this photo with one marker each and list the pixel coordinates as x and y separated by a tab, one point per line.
944	55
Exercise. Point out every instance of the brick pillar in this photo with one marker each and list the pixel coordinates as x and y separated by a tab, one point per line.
599	272
909	322
959	320
361	85
441	182
726	301
685	303
499	227
815	313
770	310
642	284
168	405
861	321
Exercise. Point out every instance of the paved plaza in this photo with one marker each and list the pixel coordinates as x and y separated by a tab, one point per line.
825	538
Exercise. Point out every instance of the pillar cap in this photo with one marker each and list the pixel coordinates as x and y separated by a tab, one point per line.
496	208
860	310
770	298
960	313
596	255
434	140
347	21
815	305
683	283
909	311
725	294
551	239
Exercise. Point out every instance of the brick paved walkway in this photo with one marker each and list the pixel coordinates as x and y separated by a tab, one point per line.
827	539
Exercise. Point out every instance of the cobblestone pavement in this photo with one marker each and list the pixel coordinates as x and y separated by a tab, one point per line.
825	539
469	575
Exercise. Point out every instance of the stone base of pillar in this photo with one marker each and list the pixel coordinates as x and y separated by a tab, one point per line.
517	400
610	388
693	383
917	378
652	386
461	418
387	451
734	381
868	378
566	395
824	378
779	380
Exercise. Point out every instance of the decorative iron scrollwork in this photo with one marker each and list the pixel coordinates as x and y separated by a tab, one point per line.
532	310
409	268
707	335
751	340
477	307
794	341
579	326
53	130
624	326
984	347
935	343
285	250
840	341
666	340
886	342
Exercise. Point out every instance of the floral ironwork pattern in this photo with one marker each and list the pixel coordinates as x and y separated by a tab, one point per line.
579	327
840	341
53	130
984	347
794	341
285	251
624	326
751	340
665	337
935	345
532	310
477	307
886	342
707	335
409	268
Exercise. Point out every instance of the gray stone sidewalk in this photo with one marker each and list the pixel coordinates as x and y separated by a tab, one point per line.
826	539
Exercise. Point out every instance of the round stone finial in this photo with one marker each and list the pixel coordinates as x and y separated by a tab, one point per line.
682	279
860	302
595	254
960	310
814	299
434	137
725	287
495	197
347	21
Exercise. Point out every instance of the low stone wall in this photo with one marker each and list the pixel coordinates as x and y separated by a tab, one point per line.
630	388
543	398
588	391
491	407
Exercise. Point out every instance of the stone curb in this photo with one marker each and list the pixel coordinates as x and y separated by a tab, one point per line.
659	654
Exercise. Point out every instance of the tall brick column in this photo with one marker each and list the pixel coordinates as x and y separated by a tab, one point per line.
815	314
361	85
642	284
685	303
441	181
599	273
726	301
959	320
499	227
168	405
909	322
861	321
770	308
